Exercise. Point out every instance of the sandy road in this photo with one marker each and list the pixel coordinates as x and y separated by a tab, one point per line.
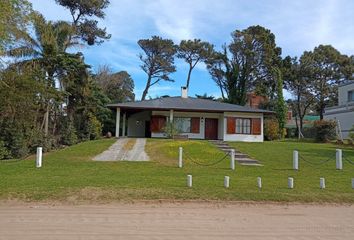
176	221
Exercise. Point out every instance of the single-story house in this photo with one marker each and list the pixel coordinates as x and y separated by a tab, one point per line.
194	118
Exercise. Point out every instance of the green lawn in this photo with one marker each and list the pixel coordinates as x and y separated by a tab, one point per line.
71	175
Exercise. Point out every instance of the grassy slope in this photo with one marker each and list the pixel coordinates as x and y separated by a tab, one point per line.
69	174
277	160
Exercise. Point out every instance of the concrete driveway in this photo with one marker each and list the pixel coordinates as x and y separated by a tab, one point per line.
117	151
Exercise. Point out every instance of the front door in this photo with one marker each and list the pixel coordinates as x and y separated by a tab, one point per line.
147	129
211	128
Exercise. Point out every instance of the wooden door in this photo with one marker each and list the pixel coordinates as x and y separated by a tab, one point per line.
211	128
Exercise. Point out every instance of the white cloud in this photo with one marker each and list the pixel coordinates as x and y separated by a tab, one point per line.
298	25
171	18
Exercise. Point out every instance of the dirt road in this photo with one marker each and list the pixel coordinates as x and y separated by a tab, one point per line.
176	221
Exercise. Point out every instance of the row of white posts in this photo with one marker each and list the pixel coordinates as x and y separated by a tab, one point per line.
339	161
259	182
232	159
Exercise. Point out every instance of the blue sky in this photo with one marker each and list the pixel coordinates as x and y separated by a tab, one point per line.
298	26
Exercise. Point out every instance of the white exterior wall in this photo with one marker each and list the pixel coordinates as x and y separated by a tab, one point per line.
202	116
243	137
221	127
345	115
136	124
343	93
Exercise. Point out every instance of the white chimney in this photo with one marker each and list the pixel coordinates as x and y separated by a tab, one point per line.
184	92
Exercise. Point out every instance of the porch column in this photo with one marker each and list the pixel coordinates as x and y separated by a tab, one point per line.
124	122
171	116
117	122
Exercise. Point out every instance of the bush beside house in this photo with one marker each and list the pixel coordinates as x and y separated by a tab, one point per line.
271	129
325	130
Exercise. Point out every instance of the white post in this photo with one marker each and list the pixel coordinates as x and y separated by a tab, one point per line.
322	183
290	182
339	163
180	157
296	160
352	183
189	180
226	181
259	182
117	122
171	116
124	123
39	157
232	163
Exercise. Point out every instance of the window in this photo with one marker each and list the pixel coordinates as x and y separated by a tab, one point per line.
243	126
351	96
182	124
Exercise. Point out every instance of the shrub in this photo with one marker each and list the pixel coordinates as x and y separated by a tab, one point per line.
68	133
325	130
4	153
271	129
14	138
94	127
170	130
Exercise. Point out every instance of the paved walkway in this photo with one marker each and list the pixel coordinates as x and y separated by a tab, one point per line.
240	157
117	152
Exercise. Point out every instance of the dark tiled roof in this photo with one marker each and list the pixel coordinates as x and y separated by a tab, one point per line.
189	104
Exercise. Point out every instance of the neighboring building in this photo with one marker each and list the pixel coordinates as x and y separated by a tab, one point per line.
193	117
307	123
255	101
344	112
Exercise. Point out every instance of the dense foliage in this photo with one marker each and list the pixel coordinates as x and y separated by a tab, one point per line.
157	61
246	64
14	16
48	95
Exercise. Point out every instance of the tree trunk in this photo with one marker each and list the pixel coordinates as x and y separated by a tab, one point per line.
189	76
301	122
222	92
146	88
297	127
46	121
299	113
322	107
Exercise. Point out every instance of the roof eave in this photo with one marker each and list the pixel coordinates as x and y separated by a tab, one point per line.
113	106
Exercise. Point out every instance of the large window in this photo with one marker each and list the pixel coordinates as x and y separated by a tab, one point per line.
243	126
182	124
351	96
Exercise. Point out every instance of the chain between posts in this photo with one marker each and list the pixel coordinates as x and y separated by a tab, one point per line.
315	164
204	164
348	160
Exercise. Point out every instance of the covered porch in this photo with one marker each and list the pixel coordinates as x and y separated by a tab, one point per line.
151	122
